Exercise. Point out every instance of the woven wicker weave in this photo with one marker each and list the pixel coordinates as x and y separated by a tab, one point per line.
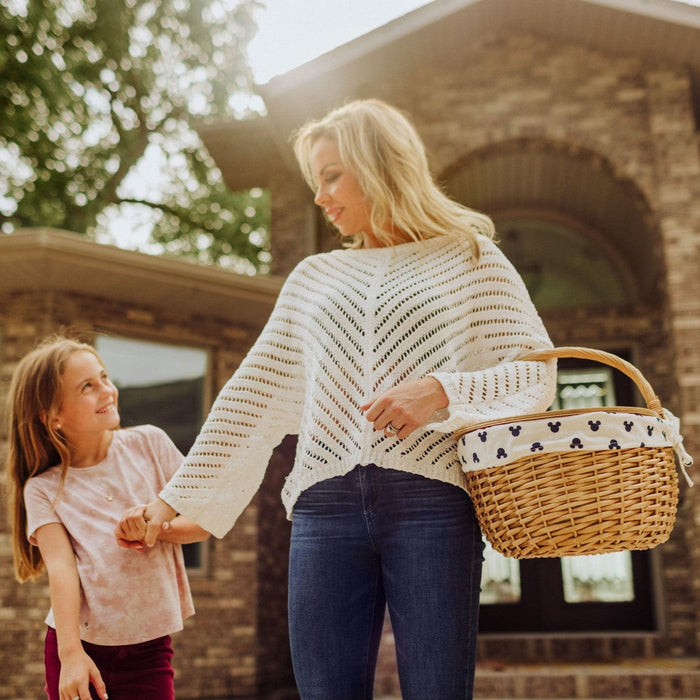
586	502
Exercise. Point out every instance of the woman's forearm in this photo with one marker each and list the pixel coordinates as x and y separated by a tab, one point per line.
181	530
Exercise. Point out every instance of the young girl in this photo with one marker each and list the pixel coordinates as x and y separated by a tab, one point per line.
72	473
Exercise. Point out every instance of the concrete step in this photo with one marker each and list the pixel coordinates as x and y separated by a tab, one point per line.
638	678
648	679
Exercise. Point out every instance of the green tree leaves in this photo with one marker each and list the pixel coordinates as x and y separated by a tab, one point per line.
87	87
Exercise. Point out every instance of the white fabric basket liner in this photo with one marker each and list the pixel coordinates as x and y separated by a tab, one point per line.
498	445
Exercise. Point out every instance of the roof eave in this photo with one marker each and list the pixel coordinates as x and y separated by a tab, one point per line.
47	259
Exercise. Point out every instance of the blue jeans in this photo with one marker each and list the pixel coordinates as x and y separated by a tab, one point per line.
376	537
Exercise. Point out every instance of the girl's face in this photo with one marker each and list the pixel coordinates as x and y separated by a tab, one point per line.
89	402
339	194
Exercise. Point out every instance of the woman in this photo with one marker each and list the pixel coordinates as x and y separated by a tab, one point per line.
374	355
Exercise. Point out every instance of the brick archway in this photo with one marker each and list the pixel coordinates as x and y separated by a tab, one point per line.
557	181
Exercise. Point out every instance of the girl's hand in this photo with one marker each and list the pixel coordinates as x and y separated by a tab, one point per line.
131	529
406	406
78	670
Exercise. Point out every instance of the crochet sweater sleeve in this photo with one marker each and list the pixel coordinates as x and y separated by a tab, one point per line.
501	325
256	408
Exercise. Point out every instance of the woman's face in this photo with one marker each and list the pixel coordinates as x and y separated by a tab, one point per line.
339	194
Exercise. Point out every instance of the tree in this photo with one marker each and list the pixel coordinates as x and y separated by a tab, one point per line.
90	86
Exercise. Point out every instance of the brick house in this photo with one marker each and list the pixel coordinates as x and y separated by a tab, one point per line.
574	124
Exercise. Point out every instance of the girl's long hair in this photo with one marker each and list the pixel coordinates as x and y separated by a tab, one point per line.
35	398
381	146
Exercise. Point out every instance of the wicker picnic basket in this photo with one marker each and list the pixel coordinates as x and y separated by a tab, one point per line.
622	496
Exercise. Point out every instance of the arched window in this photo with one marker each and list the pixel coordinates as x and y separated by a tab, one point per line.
561	267
580	232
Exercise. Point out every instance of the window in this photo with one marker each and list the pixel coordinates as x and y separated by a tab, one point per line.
163	385
561	267
603	578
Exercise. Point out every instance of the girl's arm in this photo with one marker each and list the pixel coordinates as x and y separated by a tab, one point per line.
78	670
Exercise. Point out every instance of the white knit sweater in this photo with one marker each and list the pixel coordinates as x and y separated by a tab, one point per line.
348	325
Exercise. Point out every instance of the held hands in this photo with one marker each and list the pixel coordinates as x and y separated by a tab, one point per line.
131	529
406	406
78	670
141	525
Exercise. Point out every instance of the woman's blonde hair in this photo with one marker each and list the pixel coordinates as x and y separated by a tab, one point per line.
35	398
382	148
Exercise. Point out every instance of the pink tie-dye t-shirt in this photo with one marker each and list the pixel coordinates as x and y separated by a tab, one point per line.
127	596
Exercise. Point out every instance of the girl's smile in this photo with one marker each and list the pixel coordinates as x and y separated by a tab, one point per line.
89	409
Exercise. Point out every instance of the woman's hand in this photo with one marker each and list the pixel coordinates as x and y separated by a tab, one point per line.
405	407
78	670
131	529
157	515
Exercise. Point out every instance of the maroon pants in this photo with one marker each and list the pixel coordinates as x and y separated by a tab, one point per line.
131	671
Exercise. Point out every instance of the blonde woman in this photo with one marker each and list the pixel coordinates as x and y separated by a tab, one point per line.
373	356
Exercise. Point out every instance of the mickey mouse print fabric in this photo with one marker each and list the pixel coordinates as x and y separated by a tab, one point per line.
499	444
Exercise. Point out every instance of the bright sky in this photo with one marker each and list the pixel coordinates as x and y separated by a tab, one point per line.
292	32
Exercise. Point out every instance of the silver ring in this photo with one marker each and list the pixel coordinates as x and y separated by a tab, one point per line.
391	429
77	697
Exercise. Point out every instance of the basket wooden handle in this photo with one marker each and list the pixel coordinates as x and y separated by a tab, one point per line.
606	358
